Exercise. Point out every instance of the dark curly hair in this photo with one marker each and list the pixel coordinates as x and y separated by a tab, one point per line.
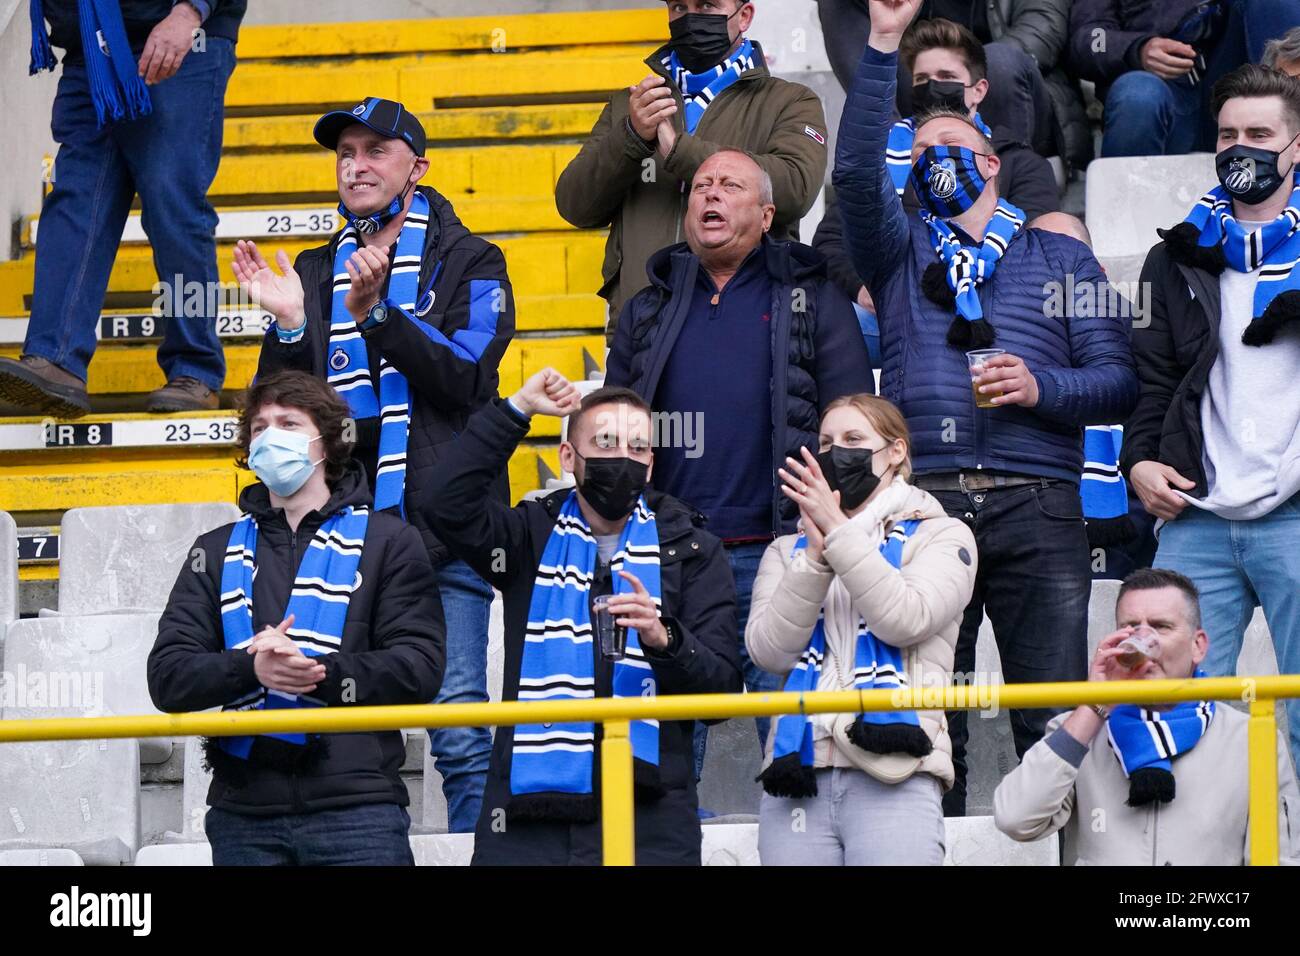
317	398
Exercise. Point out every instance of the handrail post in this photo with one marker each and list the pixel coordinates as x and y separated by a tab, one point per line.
617	815
1262	738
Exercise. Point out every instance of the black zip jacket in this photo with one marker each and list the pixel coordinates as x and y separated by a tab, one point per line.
450	375
505	546
818	353
393	652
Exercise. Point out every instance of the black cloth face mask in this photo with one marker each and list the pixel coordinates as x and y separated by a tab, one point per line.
851	472
701	40
933	94
1249	173
612	485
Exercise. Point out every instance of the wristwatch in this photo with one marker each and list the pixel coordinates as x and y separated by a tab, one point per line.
376	317
1101	711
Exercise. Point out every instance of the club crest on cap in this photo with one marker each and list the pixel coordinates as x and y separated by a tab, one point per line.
339	360
359	109
1241	175
942	179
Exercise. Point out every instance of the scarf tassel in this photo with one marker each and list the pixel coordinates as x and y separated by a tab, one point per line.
788	777
968	336
42	54
1184	241
1284	308
891	738
1110	532
552	807
1150	784
934	286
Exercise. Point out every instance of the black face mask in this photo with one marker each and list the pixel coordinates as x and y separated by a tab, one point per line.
850	471
612	485
932	94
701	40
1250	174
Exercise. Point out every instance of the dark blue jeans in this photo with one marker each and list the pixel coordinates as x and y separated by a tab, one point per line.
1148	116
461	754
168	158
373	834
744	560
1034	581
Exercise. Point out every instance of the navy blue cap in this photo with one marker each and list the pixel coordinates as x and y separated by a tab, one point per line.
389	119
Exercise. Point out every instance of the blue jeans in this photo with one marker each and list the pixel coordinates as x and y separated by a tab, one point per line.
744	560
373	834
169	158
461	754
1237	565
1148	116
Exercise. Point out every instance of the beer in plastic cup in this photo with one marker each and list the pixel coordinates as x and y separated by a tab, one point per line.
1139	647
612	636
976	360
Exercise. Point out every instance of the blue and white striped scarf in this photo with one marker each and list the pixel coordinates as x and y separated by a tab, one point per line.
349	360
898	151
552	764
700	89
1273	249
876	666
116	87
318	602
1102	488
1146	742
966	269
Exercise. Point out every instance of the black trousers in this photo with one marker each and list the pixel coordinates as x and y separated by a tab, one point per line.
1034	581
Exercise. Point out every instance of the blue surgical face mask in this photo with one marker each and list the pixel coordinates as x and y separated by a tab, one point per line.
947	180
280	460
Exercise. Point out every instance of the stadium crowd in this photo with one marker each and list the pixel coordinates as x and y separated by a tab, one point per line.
823	537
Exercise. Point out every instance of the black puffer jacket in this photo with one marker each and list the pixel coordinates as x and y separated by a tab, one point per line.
451	373
139	17
505	546
393	652
818	354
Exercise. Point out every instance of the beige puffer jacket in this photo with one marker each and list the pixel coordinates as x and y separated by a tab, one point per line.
917	608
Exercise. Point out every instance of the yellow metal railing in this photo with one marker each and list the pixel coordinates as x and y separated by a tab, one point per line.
616	712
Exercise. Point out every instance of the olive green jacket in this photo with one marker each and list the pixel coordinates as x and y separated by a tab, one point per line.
620	181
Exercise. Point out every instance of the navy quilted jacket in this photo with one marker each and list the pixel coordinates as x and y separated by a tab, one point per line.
1083	364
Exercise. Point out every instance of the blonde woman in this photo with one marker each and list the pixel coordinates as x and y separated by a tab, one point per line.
869	594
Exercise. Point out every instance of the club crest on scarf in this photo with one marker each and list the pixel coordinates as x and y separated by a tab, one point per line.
551	765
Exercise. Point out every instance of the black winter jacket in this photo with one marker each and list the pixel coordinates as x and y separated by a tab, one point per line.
449	376
393	652
505	545
818	354
1174	349
139	17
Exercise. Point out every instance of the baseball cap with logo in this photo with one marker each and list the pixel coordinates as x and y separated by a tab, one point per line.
385	117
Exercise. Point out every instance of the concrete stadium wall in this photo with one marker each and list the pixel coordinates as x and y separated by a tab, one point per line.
25	121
